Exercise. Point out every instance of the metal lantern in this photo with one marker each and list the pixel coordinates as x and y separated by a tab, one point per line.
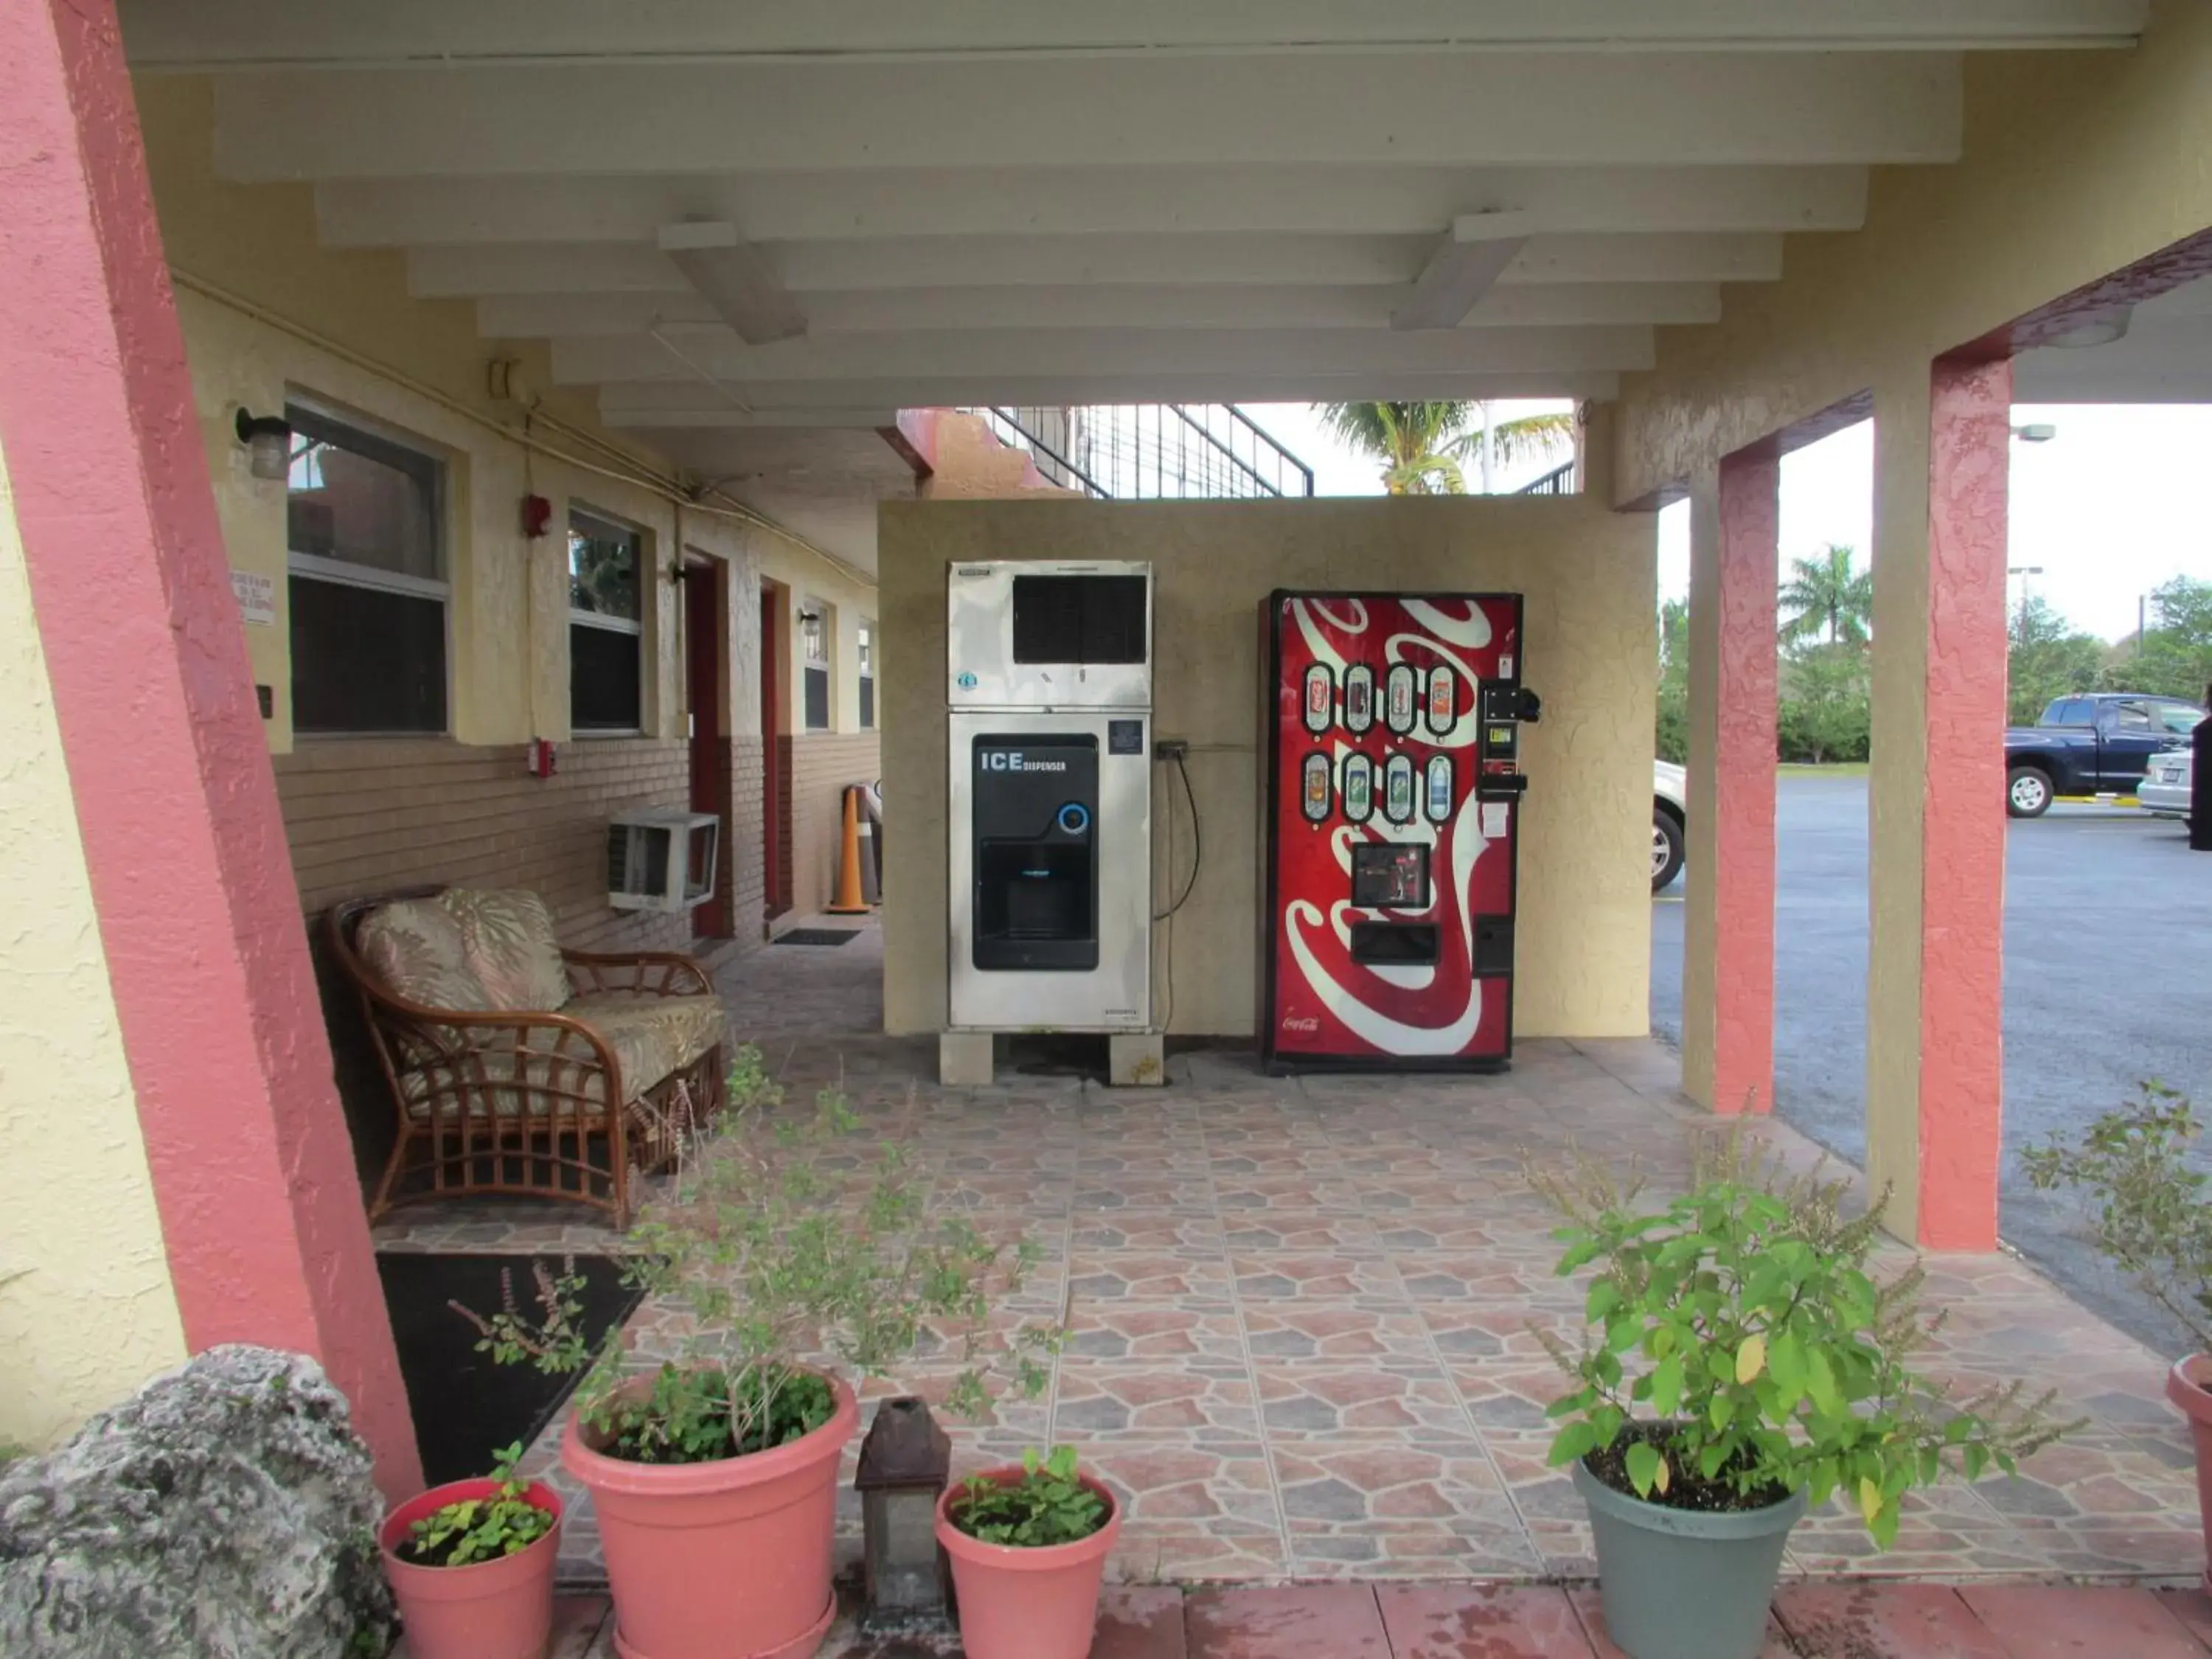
905	1463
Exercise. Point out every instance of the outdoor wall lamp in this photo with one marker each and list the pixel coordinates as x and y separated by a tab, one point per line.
905	1463
2035	432
268	441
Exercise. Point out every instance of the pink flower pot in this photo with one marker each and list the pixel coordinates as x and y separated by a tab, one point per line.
1027	1603
496	1609
2185	1385
722	1560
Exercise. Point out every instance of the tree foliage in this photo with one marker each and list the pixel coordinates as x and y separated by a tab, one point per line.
1826	705
1424	448
1674	734
2048	659
1828	599
2173	658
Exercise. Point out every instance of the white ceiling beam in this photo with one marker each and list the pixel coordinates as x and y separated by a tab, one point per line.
687	403
800	207
160	34
1413	109
733	279
536	316
1470	257
809	268
1015	352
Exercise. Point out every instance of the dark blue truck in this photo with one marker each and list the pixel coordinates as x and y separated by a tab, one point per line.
2098	742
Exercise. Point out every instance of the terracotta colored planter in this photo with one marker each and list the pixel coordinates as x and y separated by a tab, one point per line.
1027	1603
497	1609
2186	1385
723	1560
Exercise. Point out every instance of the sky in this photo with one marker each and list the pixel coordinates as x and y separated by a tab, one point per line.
2109	507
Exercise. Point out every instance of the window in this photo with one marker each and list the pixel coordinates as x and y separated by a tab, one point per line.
2070	711
2180	718
814	656
867	676
606	641
2131	717
368	580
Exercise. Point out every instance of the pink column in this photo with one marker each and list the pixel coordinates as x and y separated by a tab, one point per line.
1963	826
1744	762
1728	978
252	1170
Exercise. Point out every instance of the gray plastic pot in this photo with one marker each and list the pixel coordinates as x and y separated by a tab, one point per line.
1684	1584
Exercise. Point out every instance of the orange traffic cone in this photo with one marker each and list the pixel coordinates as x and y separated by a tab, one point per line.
847	900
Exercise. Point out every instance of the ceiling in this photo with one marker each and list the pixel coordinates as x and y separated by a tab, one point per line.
1036	202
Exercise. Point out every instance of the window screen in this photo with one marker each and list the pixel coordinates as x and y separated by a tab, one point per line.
606	666
366	661
367	589
1079	619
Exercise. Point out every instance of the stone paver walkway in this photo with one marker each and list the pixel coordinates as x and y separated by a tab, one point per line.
1303	1313
1840	1619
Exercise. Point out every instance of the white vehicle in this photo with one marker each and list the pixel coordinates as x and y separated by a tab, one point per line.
1670	812
2164	792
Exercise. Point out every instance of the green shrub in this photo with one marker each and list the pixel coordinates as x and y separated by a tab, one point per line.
1047	1506
784	1238
2149	1216
1737	1350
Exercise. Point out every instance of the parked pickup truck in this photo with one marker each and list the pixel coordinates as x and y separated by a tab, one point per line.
2096	742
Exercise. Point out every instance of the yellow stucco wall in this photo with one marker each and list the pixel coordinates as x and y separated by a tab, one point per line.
1588	574
2076	165
87	1312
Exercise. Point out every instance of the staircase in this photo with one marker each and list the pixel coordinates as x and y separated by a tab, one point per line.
1152	451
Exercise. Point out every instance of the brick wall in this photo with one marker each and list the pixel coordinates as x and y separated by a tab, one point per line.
369	817
822	764
744	870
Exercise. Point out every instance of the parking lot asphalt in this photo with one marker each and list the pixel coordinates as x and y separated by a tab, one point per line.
2107	981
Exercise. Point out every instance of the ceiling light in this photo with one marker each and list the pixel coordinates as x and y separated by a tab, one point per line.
735	277
2096	328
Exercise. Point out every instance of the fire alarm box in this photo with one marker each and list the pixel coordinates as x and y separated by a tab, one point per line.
541	759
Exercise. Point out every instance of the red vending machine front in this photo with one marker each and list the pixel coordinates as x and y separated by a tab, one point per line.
1392	748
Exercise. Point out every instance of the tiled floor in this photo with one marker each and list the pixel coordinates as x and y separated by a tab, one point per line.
1302	1313
1855	1619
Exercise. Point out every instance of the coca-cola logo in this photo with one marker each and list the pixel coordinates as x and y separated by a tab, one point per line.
1295	1023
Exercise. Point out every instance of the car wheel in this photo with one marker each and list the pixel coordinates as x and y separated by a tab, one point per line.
1667	849
2028	793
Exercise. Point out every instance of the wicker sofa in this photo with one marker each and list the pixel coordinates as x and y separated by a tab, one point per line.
517	1067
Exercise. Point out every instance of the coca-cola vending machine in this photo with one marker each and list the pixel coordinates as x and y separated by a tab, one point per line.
1391	742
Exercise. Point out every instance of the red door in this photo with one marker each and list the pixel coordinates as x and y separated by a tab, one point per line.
771	703
706	625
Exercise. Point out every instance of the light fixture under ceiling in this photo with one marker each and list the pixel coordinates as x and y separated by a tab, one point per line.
2099	328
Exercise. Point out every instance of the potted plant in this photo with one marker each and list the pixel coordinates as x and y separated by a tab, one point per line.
1028	1544
2150	1217
792	1251
1738	1363
471	1563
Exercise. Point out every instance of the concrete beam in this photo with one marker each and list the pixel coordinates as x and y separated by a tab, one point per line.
1201	260
797	207
215	32
1433	108
679	404
526	316
1077	353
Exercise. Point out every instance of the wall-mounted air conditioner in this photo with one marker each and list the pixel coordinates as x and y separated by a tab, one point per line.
662	860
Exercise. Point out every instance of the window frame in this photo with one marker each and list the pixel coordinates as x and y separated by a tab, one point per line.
633	626
864	675
418	457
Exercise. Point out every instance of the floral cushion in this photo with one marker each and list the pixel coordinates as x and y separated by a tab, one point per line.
651	1036
415	946
507	939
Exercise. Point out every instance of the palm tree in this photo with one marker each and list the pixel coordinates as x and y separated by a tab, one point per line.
1827	598
1422	445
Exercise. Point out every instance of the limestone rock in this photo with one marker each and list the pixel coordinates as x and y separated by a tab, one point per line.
225	1512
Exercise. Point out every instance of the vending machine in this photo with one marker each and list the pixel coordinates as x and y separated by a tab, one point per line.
1390	746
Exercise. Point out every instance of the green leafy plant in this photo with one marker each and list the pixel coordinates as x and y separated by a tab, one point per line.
791	1243
1047	1505
1737	1349
472	1530
2148	1210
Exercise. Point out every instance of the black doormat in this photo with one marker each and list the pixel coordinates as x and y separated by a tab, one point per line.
465	1405
817	936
